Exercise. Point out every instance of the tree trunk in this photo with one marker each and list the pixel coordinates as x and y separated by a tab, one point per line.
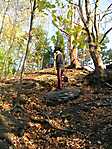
97	59
73	50
29	39
73	54
74	58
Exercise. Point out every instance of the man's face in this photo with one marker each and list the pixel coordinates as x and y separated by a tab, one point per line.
56	52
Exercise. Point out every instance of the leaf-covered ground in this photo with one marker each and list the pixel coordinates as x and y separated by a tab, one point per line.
27	121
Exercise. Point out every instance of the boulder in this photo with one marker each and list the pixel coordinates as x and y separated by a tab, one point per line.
61	96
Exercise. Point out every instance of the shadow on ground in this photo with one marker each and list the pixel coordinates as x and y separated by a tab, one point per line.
28	122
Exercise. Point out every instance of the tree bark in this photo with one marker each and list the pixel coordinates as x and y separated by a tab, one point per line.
74	58
97	59
73	54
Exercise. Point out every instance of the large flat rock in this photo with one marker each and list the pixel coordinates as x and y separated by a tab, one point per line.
61	96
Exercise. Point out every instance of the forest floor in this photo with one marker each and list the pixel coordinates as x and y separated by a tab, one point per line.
29	121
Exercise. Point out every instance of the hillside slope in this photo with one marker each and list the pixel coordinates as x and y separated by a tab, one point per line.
28	121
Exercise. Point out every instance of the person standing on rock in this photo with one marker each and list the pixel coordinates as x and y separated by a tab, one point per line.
59	66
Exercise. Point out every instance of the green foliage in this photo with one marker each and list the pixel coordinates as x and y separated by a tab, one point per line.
107	56
69	14
14	36
53	39
106	53
104	43
58	40
46	57
41	38
64	22
41	47
43	4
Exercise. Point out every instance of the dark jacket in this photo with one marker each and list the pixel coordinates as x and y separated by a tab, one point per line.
59	60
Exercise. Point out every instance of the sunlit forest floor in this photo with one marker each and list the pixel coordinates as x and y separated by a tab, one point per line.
27	121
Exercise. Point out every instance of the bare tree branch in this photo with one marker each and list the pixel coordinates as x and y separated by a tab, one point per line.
62	30
72	3
107	12
95	14
105	15
93	36
83	20
87	11
109	6
105	34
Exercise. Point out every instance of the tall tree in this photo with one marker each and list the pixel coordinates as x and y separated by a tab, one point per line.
92	18
67	21
33	8
38	6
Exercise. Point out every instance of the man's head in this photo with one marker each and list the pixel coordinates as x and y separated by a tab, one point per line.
57	49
